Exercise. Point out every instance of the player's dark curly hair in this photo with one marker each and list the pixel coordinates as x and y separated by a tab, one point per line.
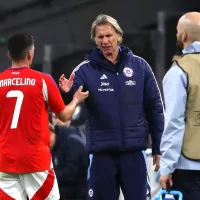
18	45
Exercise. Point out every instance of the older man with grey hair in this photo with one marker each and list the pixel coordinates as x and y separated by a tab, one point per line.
123	108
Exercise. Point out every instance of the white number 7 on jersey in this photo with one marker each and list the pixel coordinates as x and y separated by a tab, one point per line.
20	96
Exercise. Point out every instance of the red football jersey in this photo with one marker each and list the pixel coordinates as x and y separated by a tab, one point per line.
25	95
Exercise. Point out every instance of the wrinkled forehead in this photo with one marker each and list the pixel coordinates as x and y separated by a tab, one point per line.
104	29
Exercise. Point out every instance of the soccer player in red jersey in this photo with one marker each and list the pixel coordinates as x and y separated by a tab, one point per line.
25	95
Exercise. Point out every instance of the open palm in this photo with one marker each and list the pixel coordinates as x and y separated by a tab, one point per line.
66	84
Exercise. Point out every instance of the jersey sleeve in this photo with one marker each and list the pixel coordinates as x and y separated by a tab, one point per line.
52	94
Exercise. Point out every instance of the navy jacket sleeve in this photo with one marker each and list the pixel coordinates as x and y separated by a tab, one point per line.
69	174
154	110
79	78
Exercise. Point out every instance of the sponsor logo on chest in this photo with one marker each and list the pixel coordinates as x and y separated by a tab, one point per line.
130	83
105	85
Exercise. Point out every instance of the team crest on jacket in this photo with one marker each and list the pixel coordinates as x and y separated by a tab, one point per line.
128	72
90	193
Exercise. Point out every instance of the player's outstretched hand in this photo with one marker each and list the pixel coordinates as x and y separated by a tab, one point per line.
80	96
66	84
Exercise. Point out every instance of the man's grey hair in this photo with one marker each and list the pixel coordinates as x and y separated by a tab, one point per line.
106	19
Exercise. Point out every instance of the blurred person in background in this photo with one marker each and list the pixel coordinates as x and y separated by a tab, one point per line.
78	119
70	160
180	162
25	95
124	106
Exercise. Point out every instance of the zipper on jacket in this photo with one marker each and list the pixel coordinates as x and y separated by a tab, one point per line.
122	136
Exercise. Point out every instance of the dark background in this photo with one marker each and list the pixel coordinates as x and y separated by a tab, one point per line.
65	26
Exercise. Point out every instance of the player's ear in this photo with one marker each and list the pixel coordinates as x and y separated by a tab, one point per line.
29	55
8	54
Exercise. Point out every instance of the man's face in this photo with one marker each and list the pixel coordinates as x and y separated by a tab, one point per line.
107	39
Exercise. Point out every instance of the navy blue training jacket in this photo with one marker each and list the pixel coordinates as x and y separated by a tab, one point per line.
124	104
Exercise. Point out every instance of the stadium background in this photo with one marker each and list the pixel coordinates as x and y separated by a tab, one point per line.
61	29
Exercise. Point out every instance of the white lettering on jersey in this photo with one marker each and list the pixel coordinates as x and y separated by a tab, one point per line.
17	82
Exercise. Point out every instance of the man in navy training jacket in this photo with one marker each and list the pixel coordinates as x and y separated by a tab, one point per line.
123	108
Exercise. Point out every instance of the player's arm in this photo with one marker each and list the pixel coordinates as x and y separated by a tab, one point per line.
69	110
54	99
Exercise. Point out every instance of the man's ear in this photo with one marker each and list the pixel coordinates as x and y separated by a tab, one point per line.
8	54
184	36
29	54
119	38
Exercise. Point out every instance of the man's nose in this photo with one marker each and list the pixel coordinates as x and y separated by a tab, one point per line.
105	40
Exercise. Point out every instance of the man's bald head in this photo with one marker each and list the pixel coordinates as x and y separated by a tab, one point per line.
188	29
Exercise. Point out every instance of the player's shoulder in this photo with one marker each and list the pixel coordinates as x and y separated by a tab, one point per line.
39	74
3	73
46	78
35	72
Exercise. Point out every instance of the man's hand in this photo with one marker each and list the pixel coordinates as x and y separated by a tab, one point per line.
156	161
65	84
80	96
164	180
